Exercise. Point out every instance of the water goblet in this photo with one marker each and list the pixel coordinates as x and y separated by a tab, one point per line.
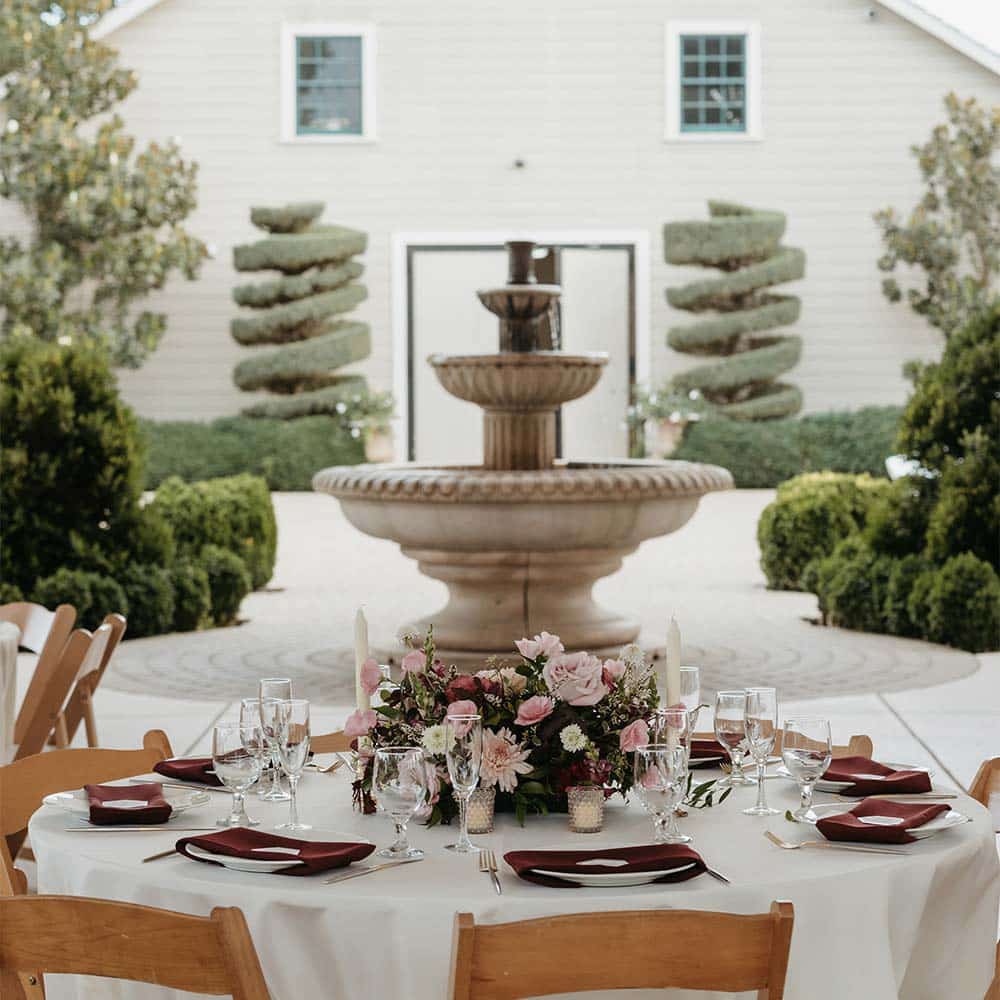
691	692
731	732
463	753
762	724
271	690
806	749
236	767
293	752
399	785
660	778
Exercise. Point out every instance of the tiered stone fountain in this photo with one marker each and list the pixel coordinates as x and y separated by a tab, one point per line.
521	539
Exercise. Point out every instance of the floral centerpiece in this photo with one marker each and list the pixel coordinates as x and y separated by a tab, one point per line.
552	721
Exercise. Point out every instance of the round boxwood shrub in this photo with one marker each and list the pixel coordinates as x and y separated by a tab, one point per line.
150	594
9	594
192	596
228	581
856	584
94	595
897	521
903	578
962	601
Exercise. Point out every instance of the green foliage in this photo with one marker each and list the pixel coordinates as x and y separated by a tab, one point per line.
856	583
899	597
761	455
296	286
149	591
298	320
92	594
9	594
293	253
962	601
286	454
897	522
745	245
105	220
228	582
288	218
953	233
192	596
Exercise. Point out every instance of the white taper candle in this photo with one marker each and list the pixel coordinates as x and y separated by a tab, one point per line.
360	655
673	684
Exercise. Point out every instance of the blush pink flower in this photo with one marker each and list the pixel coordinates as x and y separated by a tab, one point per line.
576	678
503	760
414	662
544	644
532	711
463	708
371	675
633	736
360	723
613	671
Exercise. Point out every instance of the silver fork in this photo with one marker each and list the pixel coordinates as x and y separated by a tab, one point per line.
827	845
488	863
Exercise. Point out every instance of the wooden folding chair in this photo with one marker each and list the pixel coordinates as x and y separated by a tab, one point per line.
43	633
984	784
856	746
335	742
630	949
212	955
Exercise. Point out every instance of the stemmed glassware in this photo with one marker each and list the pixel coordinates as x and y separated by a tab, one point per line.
731	732
806	749
399	784
270	691
236	767
293	752
691	693
464	754
762	725
660	778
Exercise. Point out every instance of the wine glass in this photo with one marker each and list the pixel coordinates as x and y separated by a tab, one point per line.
762	725
399	784
236	767
731	732
660	776
691	692
464	753
293	752
269	691
806	749
674	727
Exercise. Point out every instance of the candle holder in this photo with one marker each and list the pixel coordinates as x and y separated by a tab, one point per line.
586	808
480	810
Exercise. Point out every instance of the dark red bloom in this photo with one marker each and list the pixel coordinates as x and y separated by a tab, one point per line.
462	687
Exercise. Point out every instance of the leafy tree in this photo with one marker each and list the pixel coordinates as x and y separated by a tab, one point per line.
953	233
105	220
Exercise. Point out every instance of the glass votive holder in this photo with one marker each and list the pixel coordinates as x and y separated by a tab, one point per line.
479	810
586	808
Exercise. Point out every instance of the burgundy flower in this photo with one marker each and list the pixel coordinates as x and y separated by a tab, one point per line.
462	687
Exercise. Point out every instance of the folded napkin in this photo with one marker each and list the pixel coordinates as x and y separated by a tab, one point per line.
707	748
648	858
189	769
156	810
314	856
883	779
848	826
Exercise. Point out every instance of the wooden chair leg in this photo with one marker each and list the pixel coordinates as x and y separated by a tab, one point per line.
90	721
61	733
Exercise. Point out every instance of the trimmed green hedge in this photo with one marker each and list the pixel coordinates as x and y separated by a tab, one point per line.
762	455
285	453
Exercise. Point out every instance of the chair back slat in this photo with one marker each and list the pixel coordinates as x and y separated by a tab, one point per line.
335	742
79	705
644	949
856	746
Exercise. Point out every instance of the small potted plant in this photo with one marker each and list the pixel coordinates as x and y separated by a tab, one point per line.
368	415
658	419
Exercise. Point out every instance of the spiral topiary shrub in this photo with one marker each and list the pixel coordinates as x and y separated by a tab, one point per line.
741	311
302	311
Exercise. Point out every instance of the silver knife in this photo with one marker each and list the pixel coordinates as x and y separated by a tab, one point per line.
716	875
369	870
188	786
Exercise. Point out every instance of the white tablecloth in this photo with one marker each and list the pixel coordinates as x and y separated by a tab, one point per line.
10	635
866	926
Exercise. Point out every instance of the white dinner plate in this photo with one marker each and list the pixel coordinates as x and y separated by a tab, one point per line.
77	802
945	821
274	859
611	879
839	786
696	762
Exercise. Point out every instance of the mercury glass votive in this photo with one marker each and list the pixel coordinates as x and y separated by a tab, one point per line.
480	810
586	808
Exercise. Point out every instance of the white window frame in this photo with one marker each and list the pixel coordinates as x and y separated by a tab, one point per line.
289	33
672	79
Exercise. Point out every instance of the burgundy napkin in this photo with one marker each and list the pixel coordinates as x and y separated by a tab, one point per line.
848	826
648	858
899	782
314	856
189	769
707	748
158	809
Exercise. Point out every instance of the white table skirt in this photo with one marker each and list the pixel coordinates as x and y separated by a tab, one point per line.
10	635
866	926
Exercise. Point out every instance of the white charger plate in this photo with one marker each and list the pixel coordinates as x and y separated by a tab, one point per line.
839	786
77	802
611	879
945	821
274	859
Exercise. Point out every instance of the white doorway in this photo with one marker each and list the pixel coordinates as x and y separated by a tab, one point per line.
604	307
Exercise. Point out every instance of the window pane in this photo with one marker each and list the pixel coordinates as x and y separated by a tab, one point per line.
690	46
734	45
329	91
690	116
713	68
691	68
690	93
306	47
713	92
734	116
734	67
713	116
713	46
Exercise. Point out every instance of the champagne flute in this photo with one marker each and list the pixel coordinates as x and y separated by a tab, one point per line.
269	691
806	749
464	753
691	693
236	767
399	785
731	732
762	725
293	752
660	776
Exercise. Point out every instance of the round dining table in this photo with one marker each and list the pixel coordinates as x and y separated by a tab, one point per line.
874	927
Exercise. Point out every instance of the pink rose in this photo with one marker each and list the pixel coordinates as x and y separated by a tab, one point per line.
544	644
633	736
371	675
613	671
414	662
463	708
532	711
576	678
360	723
